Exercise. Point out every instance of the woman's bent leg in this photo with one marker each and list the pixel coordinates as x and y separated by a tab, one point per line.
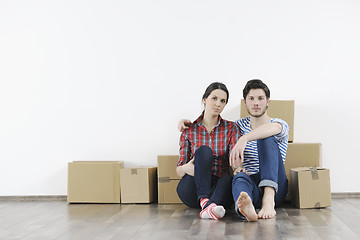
221	194
203	164
192	188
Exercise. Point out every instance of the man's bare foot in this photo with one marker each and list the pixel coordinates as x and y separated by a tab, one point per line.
246	207
267	210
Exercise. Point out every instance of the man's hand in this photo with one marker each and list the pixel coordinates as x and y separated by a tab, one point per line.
237	153
183	124
190	167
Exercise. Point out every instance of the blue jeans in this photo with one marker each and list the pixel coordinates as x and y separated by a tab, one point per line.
204	185
271	174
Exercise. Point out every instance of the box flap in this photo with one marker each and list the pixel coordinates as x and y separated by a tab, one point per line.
300	169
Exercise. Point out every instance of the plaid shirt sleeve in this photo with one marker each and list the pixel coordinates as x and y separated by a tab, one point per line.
185	148
235	135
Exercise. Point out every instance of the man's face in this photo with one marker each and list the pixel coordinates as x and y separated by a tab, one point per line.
256	102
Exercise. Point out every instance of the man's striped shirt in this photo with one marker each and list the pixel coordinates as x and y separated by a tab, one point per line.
251	159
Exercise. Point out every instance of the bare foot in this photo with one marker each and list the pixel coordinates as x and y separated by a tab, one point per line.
246	207
267	210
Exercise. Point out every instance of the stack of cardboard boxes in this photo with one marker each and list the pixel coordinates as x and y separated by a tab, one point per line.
110	182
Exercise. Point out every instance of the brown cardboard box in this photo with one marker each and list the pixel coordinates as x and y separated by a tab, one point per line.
168	179
167	166
310	187
138	185
94	181
302	155
167	191
283	109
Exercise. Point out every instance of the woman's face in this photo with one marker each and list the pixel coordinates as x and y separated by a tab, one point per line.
215	102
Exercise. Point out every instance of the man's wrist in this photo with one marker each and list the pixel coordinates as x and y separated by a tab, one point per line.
245	138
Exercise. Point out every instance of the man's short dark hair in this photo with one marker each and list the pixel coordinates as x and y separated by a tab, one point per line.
256	84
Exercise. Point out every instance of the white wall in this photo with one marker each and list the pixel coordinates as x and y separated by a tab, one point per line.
108	80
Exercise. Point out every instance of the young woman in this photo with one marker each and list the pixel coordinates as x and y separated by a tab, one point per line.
204	157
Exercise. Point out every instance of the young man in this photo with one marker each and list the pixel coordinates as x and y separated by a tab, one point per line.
258	156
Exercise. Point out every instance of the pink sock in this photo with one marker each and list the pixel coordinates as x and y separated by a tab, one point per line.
213	211
203	202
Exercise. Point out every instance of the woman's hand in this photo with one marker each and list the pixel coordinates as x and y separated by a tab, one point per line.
190	167
182	125
187	168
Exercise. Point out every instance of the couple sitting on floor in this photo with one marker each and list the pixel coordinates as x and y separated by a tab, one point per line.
222	162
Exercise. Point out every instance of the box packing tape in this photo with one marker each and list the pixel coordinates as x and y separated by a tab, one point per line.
164	179
314	173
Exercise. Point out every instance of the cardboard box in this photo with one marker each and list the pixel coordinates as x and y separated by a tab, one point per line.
310	187
168	179
283	109
138	185
94	181
167	191
302	155
167	166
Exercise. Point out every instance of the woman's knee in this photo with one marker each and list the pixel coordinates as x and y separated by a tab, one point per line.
204	150
203	154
